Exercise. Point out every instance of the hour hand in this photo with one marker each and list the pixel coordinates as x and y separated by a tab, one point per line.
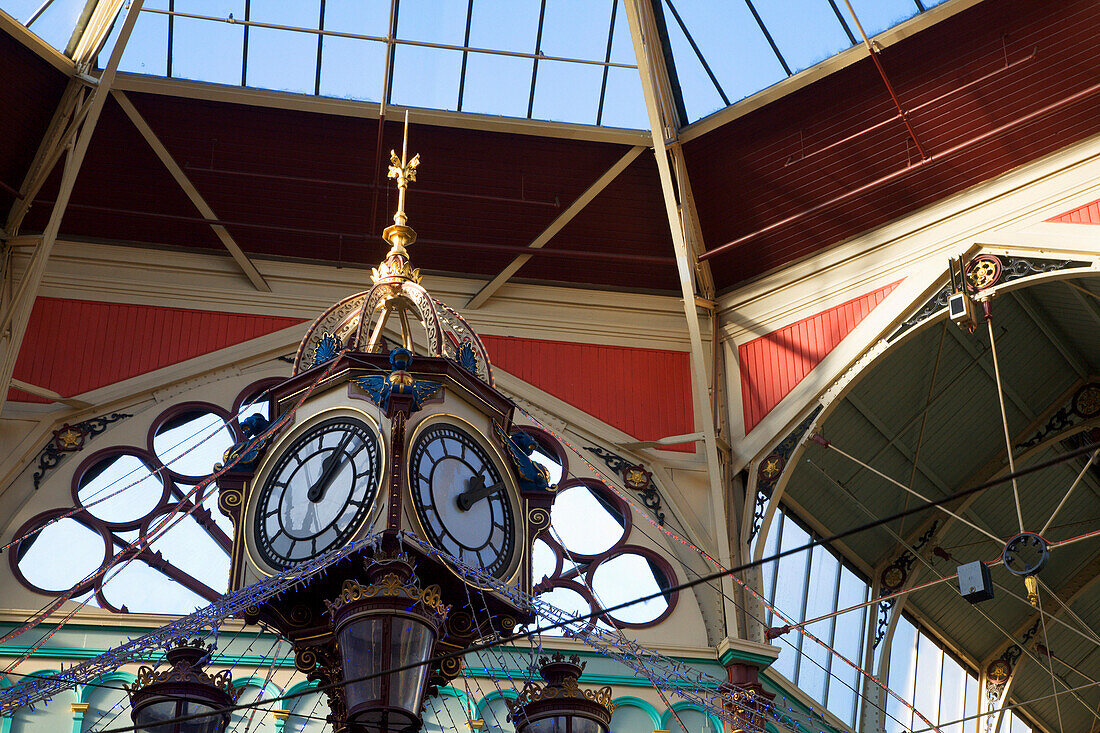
476	490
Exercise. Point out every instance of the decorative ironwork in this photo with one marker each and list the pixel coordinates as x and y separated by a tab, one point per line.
70	439
895	574
772	467
983	272
390	586
883	620
1083	405
636	478
189	656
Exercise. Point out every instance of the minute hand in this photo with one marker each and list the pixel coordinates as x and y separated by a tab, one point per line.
476	490
328	470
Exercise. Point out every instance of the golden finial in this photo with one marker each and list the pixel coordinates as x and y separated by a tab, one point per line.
399	235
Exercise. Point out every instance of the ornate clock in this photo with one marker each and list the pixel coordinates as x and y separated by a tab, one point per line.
319	491
461	497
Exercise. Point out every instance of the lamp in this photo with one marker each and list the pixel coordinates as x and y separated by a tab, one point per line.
560	706
386	630
158	698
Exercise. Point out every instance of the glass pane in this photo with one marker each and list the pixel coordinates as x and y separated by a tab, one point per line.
582	523
806	31
444	714
625	577
133	488
543	561
929	663
190	444
361	17
952	691
790	585
623	103
352	69
815	657
278	59
847	640
567	92
147	50
42	564
504	25
140	589
187	546
55	25
208	50
569	602
576	29
497	85
495	715
426	77
436	21
693	721
903	667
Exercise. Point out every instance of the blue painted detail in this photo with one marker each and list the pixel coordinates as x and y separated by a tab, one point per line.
398	382
532	476
328	348
252	426
467	358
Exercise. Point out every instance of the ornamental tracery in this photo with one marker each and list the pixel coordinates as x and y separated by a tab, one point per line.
123	497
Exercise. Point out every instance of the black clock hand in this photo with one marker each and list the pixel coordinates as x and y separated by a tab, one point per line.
329	467
476	490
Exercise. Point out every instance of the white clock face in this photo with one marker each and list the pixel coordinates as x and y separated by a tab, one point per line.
461	498
318	493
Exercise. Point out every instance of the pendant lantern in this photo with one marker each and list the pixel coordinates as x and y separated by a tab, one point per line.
159	698
560	706
386	631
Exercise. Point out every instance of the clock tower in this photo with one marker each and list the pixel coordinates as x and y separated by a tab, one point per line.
391	428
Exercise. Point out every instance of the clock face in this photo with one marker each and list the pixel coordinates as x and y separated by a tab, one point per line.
318	493
461	498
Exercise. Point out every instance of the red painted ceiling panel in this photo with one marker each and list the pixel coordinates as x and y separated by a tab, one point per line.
73	346
1087	214
772	365
29	95
796	156
645	393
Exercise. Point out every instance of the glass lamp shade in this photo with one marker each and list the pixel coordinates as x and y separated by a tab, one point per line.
160	698
375	636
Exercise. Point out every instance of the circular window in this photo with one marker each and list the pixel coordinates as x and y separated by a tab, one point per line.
191	442
587	521
628	576
570	603
544	562
119	489
84	551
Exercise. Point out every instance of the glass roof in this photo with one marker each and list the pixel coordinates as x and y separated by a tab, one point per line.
557	60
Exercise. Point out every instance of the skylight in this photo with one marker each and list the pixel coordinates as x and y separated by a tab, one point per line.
555	60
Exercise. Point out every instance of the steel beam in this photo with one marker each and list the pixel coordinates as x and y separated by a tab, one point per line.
23	301
663	130
184	182
556	226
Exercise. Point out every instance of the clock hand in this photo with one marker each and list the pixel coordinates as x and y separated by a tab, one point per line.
329	468
476	490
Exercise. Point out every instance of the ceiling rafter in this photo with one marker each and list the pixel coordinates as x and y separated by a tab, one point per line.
482	296
188	187
18	311
1043	322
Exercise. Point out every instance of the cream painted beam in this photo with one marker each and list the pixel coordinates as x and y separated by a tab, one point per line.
20	311
649	55
49	394
184	182
556	226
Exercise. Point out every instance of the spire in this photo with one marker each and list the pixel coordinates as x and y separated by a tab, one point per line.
395	267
